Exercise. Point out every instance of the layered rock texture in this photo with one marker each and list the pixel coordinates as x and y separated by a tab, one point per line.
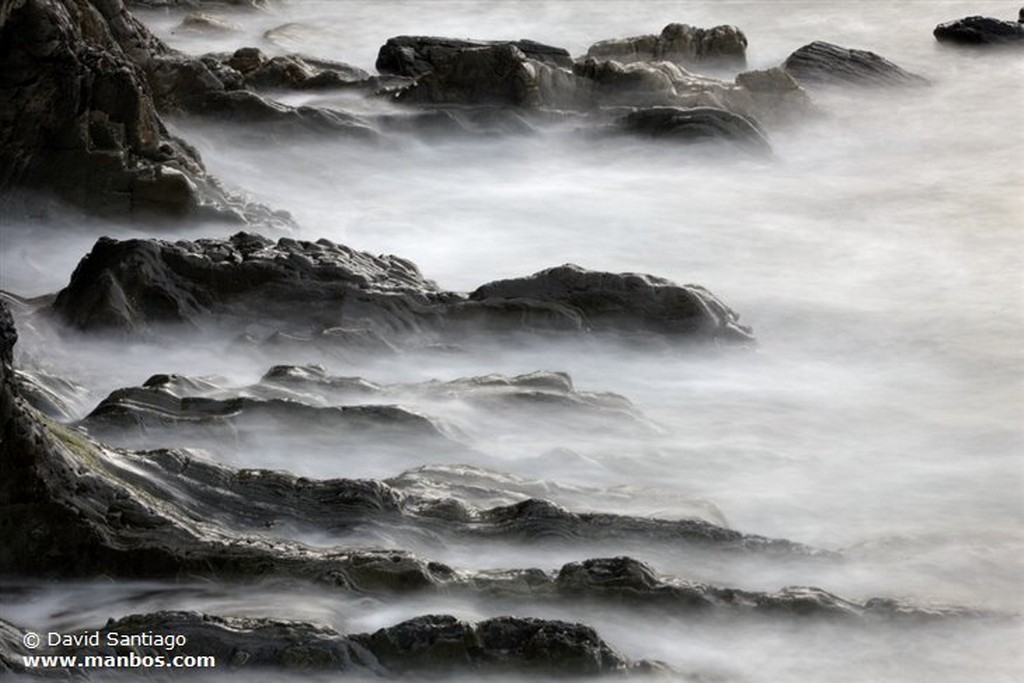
311	286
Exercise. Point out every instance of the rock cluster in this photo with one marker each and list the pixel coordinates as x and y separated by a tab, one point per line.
825	63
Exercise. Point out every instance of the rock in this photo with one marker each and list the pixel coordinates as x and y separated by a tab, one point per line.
678	43
423	645
80	84
251	281
770	95
150	417
825	63
499	74
417	55
207	23
292	71
698	125
444	644
977	30
605	301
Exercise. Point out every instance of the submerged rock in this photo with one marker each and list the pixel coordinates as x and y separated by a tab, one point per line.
417	55
249	280
825	63
978	30
678	43
696	125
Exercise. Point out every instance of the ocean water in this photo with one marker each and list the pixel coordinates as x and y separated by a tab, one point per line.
878	256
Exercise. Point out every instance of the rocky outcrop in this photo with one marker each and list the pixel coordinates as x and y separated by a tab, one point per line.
698	124
432	644
978	30
80	84
680	44
71	507
252	282
824	63
296	72
417	55
609	301
499	74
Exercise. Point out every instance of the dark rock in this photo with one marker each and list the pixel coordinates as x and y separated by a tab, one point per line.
979	30
498	74
292	71
825	63
417	55
443	643
423	645
80	84
604	301
250	280
701	124
678	43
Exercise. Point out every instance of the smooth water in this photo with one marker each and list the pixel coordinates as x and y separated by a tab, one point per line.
878	256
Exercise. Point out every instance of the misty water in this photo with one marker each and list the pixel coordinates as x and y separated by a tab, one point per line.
878	256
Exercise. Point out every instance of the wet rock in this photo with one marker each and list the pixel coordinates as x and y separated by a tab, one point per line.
978	30
71	507
424	645
251	281
771	95
417	55
678	43
135	283
148	417
498	74
700	124
292	71
80	85
51	395
825	63
443	643
604	301
207	23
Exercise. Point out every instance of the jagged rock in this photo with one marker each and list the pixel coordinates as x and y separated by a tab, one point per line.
679	43
207	23
770	95
249	280
977	30
80	83
292	71
149	417
825	63
73	508
417	55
